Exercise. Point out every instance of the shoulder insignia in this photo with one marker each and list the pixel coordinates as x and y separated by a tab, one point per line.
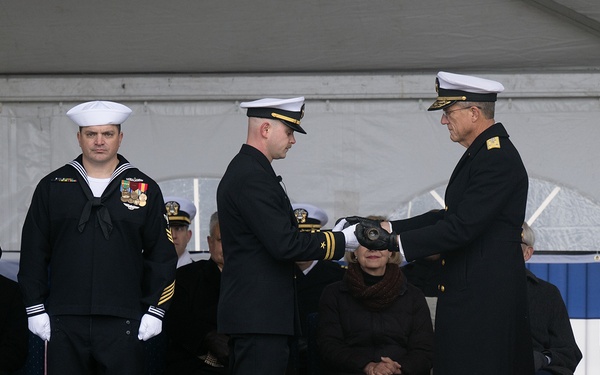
493	143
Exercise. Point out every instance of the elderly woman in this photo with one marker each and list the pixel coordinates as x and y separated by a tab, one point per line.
373	322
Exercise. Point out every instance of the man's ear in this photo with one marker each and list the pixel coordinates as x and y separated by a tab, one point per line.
475	113
528	253
265	128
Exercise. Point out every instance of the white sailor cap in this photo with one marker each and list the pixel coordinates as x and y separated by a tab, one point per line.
99	112
453	87
310	217
181	211
289	111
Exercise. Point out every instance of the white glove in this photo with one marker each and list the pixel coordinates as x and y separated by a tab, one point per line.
40	326
150	326
351	241
339	226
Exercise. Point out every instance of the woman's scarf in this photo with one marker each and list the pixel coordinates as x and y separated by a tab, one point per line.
379	295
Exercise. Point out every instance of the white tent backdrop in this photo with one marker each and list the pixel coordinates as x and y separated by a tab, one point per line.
371	147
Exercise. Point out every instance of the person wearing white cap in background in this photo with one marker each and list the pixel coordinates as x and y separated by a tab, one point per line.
195	347
261	242
481	323
97	265
181	212
312	276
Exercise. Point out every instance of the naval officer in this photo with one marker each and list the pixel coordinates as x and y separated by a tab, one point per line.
481	324
261	242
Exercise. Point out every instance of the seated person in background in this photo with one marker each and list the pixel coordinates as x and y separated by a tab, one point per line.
424	274
195	347
554	348
13	327
181	212
311	277
374	321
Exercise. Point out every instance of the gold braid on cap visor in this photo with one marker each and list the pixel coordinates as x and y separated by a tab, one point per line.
179	218
285	118
451	98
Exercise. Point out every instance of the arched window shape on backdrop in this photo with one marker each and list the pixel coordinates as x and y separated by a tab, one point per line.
563	219
203	192
567	239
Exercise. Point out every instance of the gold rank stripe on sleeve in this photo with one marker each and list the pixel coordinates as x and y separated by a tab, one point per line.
330	247
167	294
169	235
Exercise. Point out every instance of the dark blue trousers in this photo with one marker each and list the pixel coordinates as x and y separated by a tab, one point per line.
94	345
258	354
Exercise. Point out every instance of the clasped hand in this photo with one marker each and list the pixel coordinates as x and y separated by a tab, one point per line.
40	326
387	366
150	326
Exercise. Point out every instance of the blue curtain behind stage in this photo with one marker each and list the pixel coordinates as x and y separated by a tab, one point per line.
579	285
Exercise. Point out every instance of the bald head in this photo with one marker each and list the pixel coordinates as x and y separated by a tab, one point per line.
271	137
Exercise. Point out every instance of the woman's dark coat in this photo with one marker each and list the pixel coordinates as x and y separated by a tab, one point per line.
350	336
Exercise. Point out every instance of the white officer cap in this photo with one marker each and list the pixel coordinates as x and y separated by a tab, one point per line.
288	111
99	112
181	211
453	87
309	217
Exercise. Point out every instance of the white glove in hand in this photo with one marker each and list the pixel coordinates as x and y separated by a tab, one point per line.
150	326
40	326
351	241
339	226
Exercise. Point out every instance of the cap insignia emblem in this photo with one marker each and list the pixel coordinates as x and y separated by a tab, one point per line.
172	208
301	214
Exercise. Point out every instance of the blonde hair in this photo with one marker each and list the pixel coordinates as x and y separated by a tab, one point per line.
395	257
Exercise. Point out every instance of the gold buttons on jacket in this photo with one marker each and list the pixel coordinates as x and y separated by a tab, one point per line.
443	262
441	288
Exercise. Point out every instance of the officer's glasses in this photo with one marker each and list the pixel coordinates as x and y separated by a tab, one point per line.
447	113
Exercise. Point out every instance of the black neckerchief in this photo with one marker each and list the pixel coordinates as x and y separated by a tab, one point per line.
102	213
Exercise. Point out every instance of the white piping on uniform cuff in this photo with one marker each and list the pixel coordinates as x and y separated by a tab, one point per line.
156	312
391	229
35	310
400	249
